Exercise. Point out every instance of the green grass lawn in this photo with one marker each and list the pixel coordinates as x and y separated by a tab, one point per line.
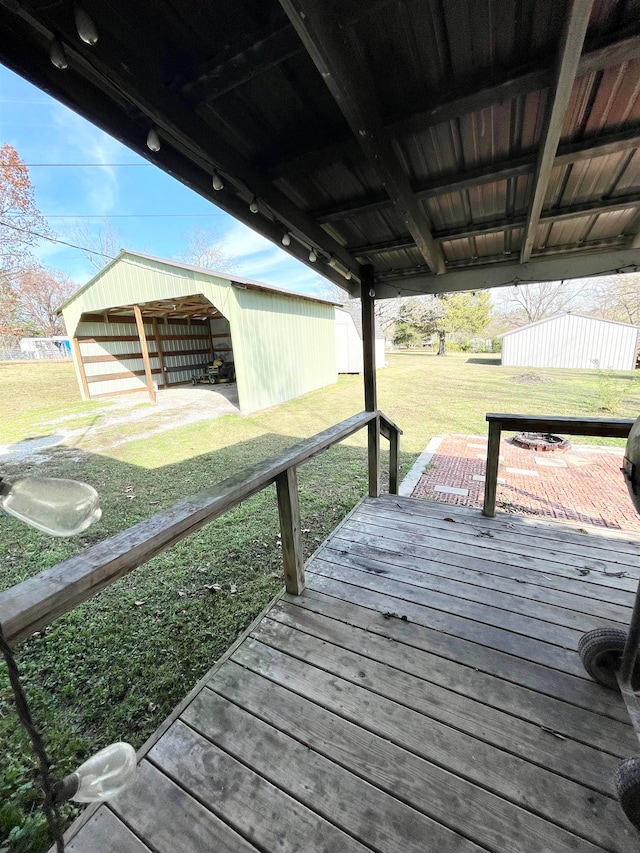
116	666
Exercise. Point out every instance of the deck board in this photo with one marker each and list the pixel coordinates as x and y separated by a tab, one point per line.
423	693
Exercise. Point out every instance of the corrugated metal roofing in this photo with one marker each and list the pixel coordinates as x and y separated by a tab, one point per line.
363	125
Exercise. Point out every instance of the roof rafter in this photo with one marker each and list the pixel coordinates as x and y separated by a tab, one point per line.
571	42
497	224
557	267
603	145
480	97
328	48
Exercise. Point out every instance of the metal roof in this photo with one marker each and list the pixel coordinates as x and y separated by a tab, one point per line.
450	144
567	314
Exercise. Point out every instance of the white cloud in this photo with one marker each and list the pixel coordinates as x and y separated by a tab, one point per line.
80	142
262	260
242	241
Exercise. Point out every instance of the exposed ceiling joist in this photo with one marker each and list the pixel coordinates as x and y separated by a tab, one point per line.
497	224
555	268
575	29
329	49
603	145
480	97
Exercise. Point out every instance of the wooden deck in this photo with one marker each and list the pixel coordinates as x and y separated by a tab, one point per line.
423	694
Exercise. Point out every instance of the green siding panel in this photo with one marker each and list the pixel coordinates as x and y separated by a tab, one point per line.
283	347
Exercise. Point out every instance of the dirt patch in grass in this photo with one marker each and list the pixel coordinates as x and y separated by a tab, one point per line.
530	379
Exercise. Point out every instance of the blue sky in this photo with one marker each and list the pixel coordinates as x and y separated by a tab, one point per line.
44	131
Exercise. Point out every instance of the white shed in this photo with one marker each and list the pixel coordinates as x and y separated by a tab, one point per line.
349	341
574	341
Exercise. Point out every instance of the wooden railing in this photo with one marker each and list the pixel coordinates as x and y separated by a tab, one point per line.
34	603
602	427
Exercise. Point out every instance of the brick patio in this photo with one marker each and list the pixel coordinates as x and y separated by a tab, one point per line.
583	484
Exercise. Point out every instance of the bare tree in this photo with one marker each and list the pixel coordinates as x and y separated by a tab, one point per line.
325	289
618	298
99	241
205	248
531	302
39	293
21	223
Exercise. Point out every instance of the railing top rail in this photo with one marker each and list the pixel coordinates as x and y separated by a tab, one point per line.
389	424
35	602
600	427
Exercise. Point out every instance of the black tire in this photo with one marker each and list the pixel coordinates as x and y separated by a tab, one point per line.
627	782
601	653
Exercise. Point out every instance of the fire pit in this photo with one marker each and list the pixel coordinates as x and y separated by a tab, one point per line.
541	441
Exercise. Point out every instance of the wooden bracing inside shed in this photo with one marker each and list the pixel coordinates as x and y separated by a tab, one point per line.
152	345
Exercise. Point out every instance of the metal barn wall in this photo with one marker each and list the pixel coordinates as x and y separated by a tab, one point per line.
348	344
283	347
184	349
105	361
349	352
108	364
572	341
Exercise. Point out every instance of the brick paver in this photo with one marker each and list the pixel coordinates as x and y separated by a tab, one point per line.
588	489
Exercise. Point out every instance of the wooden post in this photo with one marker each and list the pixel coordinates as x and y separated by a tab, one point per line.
369	364
491	471
83	376
394	447
289	510
213	351
145	352
156	335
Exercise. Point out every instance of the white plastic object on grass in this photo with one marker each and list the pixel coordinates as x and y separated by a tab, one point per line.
58	507
104	775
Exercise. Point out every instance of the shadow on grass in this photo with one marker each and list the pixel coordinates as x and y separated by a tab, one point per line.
477	360
114	667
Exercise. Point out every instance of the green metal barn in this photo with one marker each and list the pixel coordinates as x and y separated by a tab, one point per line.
145	323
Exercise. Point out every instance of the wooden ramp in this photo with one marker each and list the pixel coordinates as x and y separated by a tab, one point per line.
423	694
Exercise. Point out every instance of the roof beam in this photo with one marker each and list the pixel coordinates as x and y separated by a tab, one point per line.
350	87
573	35
495	225
480	97
603	145
553	268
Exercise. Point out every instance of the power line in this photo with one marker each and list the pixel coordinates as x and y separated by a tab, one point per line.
55	240
103	255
